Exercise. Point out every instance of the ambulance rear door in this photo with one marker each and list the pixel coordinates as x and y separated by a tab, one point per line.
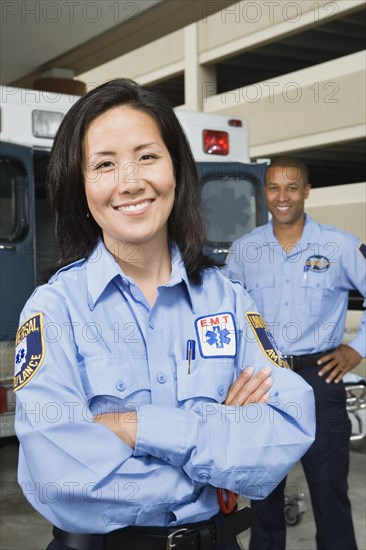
17	258
17	263
233	201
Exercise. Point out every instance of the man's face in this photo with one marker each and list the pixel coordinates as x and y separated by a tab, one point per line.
286	191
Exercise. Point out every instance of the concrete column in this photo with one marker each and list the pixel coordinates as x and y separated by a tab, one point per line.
199	80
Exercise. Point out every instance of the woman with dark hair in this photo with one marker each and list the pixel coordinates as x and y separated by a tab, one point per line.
77	234
139	355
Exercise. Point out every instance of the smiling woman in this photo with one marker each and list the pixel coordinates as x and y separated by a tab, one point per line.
130	188
142	343
85	153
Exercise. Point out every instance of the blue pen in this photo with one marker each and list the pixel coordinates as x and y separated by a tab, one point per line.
190	353
306	267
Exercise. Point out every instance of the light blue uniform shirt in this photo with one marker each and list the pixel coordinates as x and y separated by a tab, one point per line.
90	343
303	295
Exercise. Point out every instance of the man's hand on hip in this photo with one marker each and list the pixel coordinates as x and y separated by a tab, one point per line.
338	363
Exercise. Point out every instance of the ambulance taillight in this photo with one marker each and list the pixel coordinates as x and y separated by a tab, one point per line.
215	142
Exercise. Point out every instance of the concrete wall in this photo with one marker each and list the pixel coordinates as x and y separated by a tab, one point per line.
320	105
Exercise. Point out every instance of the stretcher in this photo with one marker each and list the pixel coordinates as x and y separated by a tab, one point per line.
356	404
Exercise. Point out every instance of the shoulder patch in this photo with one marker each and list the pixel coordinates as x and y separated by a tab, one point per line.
29	350
362	249
216	335
265	340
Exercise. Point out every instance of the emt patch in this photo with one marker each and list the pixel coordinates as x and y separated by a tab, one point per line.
29	350
266	340
317	263
216	335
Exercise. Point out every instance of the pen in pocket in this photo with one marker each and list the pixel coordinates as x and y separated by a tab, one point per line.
190	353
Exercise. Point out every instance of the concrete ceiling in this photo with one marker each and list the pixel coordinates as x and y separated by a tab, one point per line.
37	35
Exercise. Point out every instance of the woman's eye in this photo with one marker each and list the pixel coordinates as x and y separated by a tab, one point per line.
105	164
148	156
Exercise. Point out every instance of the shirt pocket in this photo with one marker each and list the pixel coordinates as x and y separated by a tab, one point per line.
261	288
209	380
316	291
122	379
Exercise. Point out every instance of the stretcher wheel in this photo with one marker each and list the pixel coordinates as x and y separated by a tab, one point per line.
292	515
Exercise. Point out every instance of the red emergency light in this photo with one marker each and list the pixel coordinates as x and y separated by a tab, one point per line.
215	142
236	122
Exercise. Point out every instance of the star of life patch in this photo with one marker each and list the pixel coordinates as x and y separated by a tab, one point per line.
29	350
265	339
216	335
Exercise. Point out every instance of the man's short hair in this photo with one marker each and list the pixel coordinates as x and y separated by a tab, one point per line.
293	162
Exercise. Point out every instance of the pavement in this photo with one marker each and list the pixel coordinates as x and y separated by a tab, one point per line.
302	536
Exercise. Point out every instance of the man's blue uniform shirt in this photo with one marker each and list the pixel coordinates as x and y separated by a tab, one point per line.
303	294
90	343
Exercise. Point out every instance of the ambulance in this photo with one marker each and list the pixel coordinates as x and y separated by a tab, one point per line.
231	186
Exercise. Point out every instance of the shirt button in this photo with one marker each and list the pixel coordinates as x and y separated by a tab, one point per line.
286	303
287	280
151	324
161	378
204	475
221	390
121	386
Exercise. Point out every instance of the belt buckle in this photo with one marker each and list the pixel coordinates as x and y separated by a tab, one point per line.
170	542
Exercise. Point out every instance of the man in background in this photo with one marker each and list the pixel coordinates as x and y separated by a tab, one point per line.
299	273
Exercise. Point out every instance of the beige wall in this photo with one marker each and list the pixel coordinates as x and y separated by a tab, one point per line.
160	59
340	205
318	105
248	24
322	104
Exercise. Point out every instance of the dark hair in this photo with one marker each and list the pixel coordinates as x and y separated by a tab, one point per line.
77	234
288	161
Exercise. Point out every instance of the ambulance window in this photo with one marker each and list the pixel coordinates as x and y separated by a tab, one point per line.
12	199
230	208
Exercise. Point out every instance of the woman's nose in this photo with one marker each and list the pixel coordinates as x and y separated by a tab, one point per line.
128	178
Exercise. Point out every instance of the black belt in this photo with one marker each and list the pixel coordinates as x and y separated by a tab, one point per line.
298	362
193	536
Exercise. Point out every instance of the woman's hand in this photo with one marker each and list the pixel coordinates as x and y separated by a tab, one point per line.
124	425
250	389
245	390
